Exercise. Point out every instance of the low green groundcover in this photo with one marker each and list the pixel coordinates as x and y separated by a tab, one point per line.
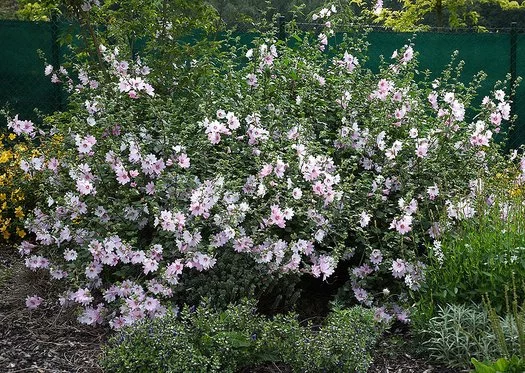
204	340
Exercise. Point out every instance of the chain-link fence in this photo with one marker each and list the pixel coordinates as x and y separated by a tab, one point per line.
498	53
23	84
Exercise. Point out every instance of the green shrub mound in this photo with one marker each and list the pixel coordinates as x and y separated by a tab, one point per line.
200	339
459	332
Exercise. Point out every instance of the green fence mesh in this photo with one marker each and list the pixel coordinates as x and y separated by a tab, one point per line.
23	84
24	87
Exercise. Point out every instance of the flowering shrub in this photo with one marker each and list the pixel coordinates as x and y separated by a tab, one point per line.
15	186
300	161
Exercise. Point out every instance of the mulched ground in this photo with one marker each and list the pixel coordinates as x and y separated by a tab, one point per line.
50	339
395	355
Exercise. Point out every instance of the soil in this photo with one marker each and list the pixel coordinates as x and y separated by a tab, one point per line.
50	339
396	354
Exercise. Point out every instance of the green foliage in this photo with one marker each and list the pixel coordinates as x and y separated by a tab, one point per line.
415	14
517	315
40	10
480	257
513	365
458	333
235	277
205	340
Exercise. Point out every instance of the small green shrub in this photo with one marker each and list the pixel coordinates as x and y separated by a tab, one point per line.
204	340
459	332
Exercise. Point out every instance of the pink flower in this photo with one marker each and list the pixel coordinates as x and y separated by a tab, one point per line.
364	219
376	257
93	270
150	188
122	175
398	268
319	188
279	168
433	100
70	255
82	296
360	294
323	41
151	304
251	79
85	187
402	225
504	109
33	302
91	316
233	121
297	193
183	161
36	262
266	170
118	323
400	113
362	271
422	149
433	192
175	268
243	244
326	265
21	126
84	145
408	55
150	265
48	70
277	216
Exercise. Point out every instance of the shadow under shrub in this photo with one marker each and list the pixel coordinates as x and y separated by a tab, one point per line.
235	277
200	339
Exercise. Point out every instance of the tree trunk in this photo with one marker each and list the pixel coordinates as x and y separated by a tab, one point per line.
439	13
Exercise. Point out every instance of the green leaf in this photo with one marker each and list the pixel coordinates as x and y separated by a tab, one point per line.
482	368
501	365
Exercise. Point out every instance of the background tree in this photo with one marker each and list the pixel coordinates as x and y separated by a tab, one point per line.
413	15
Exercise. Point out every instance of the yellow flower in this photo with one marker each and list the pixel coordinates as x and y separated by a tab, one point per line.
516	192
18	212
21	233
5	156
12	136
6	235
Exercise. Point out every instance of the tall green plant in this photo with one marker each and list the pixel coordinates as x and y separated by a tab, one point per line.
479	257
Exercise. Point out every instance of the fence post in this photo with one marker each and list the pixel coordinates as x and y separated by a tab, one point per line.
513	37
281	25
55	60
513	52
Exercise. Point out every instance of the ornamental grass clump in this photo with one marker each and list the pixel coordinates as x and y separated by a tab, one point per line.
297	157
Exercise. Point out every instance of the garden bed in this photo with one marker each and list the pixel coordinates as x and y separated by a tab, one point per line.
46	340
51	340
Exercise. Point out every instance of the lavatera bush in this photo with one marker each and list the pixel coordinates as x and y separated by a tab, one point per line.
295	156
